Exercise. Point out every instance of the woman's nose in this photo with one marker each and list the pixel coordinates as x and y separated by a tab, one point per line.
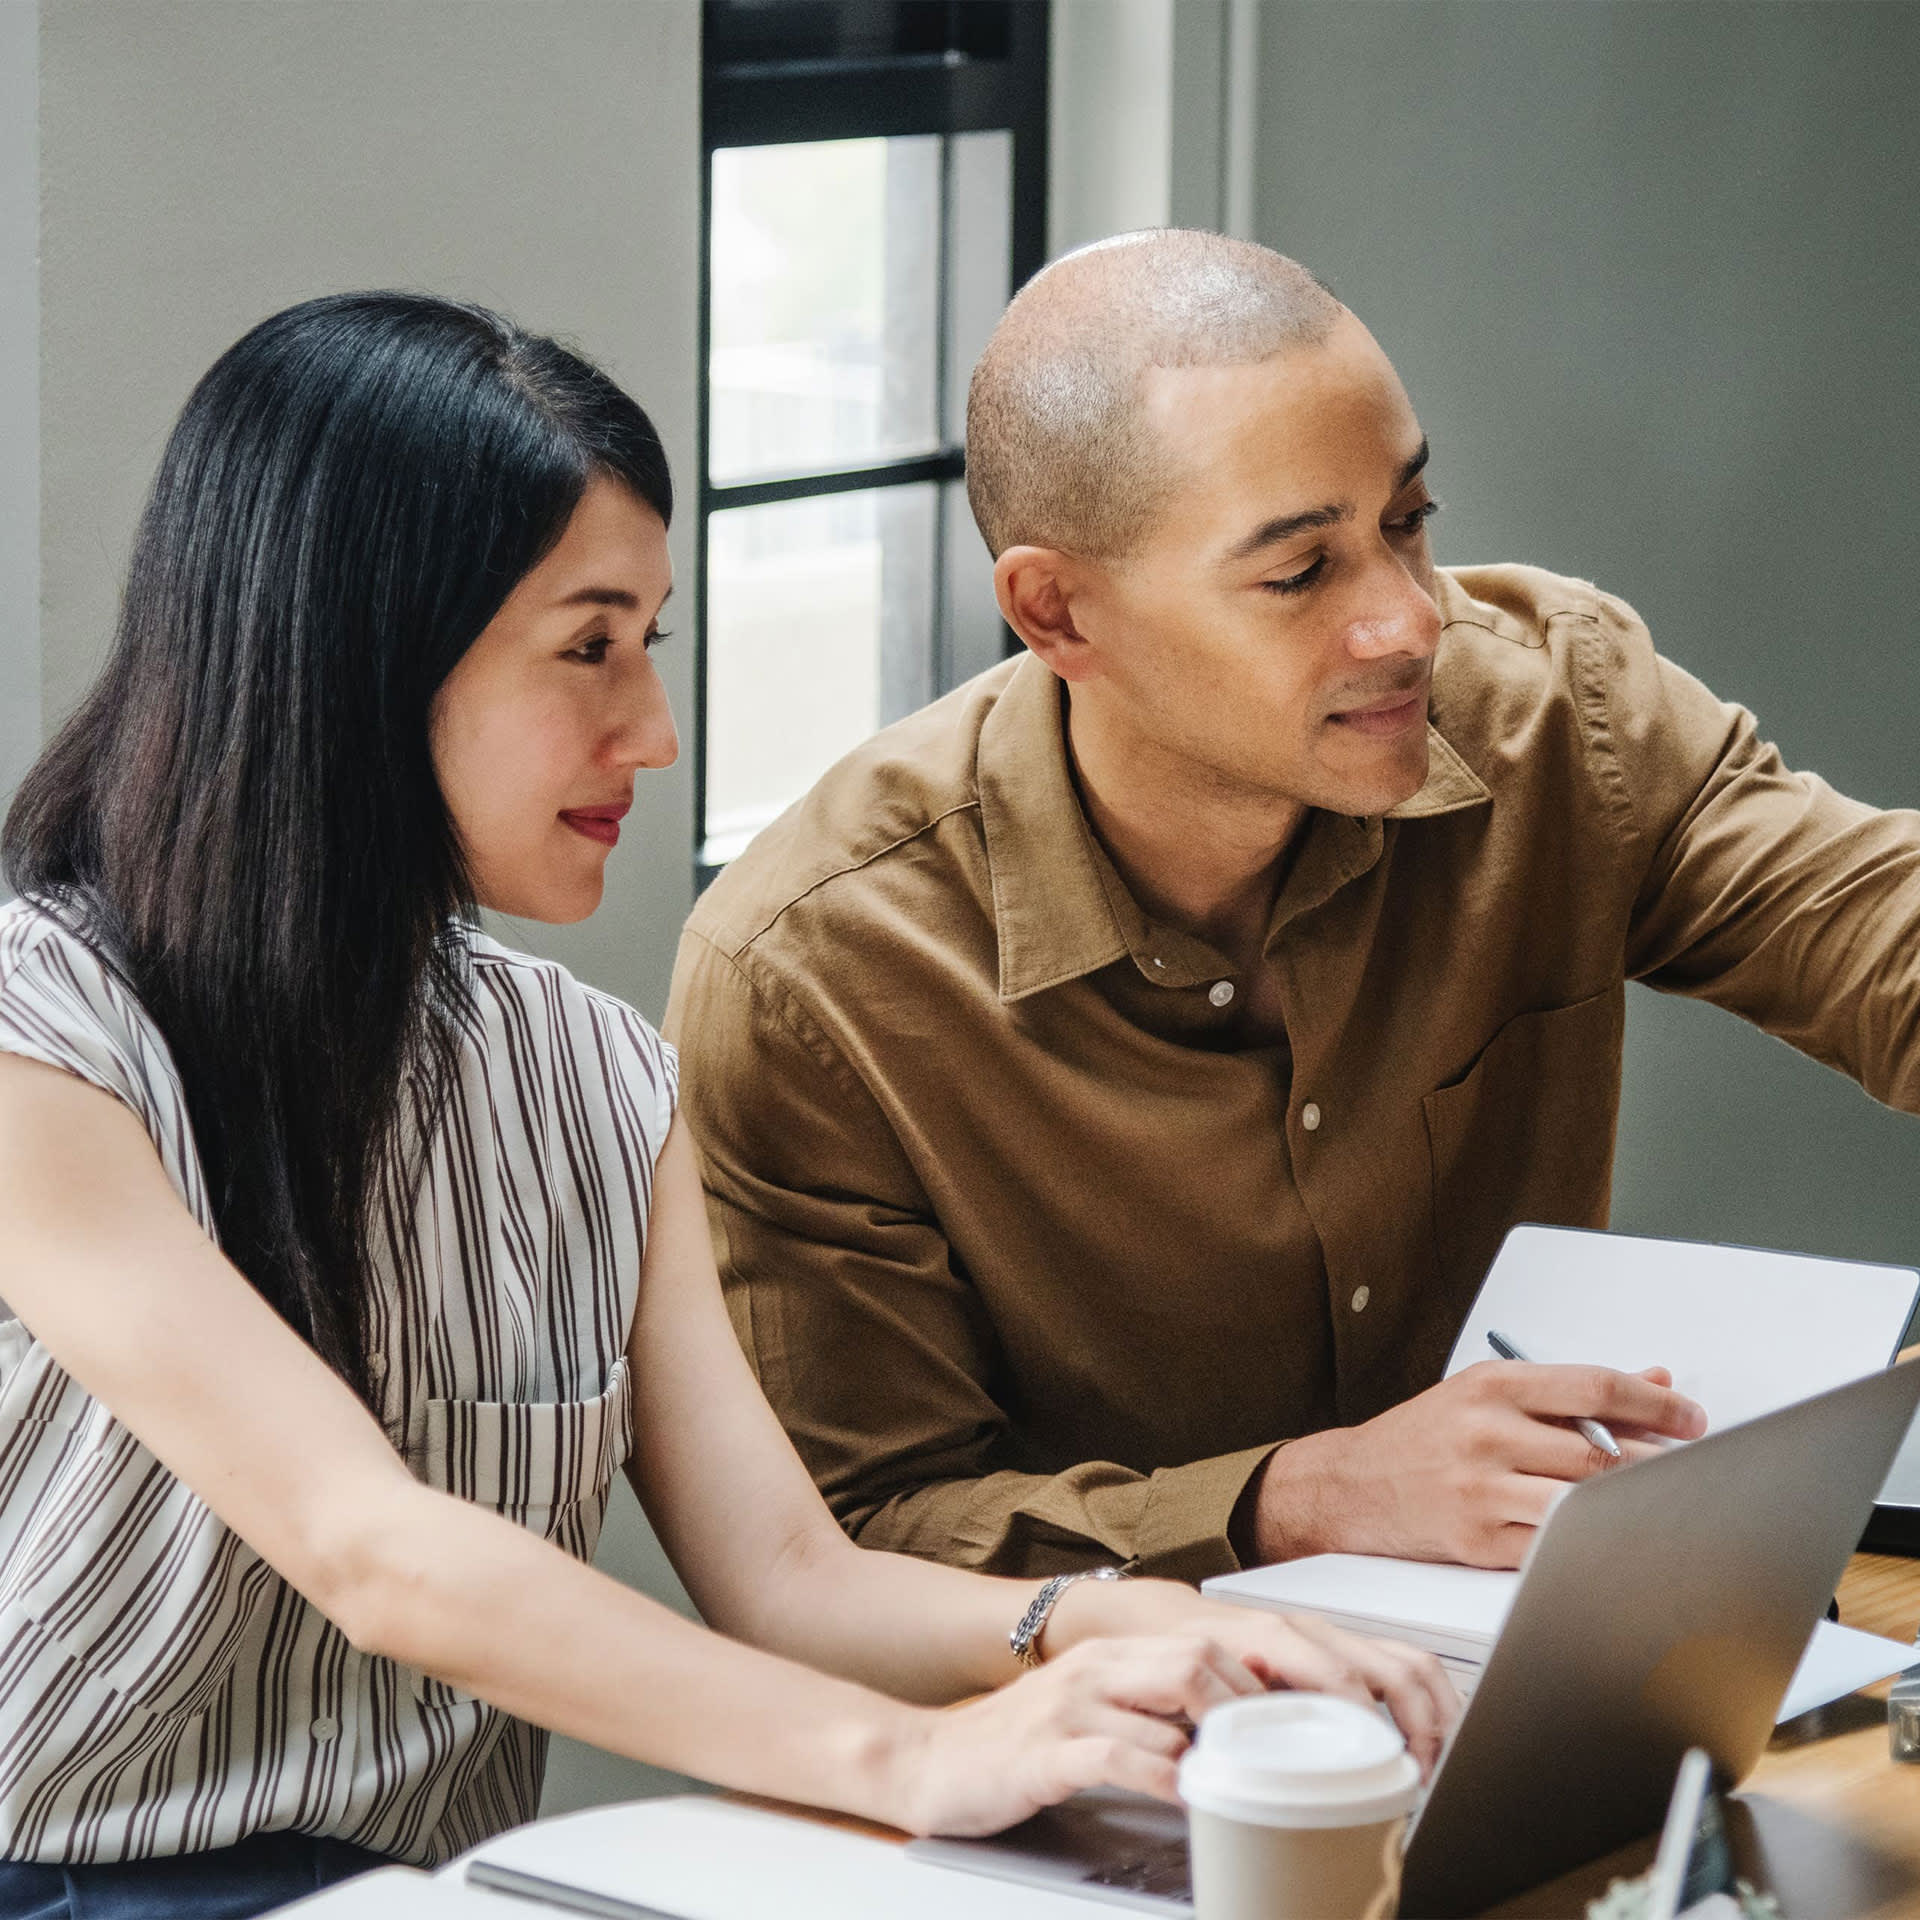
648	736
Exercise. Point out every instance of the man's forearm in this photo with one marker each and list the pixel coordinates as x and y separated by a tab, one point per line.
1173	1522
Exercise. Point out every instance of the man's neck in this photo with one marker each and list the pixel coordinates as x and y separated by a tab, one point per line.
1197	852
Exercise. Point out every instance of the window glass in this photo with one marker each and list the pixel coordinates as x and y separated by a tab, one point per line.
818	616
824	306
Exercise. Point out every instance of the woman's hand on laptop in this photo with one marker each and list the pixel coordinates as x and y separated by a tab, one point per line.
1114	1702
1279	1650
1465	1471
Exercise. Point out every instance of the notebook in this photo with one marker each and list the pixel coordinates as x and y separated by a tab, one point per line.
1742	1331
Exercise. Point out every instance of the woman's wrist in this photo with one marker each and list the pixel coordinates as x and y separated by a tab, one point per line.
879	1763
1104	1609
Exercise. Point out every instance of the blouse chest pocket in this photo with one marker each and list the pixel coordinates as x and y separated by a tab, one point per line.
545	1465
34	1392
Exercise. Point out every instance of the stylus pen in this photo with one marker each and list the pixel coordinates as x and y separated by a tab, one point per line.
1590	1431
556	1893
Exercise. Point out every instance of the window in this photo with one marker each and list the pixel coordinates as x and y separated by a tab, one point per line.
875	190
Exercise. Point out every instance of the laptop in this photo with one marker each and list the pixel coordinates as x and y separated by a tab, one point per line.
1664	1606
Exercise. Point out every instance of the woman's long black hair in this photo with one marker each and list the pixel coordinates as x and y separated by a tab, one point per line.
244	809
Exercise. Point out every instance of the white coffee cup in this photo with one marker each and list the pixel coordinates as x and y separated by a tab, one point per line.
1297	1806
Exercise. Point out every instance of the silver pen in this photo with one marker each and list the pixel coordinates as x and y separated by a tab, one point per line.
1590	1431
557	1893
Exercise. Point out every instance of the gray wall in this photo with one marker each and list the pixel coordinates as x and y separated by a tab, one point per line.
19	392
202	165
1649	273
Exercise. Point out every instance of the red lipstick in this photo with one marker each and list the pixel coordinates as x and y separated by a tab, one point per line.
598	823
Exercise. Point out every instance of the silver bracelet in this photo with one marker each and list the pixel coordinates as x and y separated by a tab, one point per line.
1025	1638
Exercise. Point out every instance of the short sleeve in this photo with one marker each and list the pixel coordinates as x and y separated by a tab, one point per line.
669	1082
652	1063
641	1071
64	1005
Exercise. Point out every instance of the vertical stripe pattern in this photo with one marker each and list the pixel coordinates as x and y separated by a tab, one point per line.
162	1690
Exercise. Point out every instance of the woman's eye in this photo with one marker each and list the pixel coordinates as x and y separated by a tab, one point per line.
1418	518
591	652
658	634
1298	582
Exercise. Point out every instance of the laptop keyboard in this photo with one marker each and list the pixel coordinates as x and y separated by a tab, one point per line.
1161	1870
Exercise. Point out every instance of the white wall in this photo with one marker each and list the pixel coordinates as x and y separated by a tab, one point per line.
205	162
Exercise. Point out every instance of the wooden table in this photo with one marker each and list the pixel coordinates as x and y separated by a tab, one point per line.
1827	1821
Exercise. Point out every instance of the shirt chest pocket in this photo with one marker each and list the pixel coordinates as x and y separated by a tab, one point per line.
545	1465
1526	1133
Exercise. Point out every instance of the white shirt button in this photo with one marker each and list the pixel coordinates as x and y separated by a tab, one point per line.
1310	1117
377	1365
1220	992
325	1728
1361	1295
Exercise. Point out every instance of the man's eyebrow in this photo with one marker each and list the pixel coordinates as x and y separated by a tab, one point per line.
1270	533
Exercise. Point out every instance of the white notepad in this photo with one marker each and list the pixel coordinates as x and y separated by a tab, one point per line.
707	1859
1457	1613
1744	1332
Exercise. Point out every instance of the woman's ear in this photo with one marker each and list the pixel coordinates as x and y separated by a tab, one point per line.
1036	588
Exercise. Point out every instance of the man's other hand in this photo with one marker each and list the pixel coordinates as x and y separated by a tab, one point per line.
1465	1471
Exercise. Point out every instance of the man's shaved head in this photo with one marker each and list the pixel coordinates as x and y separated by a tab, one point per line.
1059	453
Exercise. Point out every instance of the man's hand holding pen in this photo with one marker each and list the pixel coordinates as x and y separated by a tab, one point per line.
1467	1470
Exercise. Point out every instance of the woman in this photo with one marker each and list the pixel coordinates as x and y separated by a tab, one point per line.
352	1252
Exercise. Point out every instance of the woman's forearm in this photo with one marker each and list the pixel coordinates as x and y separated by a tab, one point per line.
447	1587
909	1627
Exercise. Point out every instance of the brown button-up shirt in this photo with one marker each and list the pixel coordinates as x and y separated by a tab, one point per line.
1038	1254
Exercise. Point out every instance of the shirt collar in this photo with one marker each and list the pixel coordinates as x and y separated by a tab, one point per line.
1061	908
1050	904
1450	784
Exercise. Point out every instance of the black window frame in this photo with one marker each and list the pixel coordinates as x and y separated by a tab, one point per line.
811	96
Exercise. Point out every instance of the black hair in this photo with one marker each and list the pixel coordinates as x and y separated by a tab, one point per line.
244	812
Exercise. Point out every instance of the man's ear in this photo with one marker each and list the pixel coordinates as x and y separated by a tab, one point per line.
1036	588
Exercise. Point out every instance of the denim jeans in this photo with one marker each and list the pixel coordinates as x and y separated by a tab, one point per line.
264	1871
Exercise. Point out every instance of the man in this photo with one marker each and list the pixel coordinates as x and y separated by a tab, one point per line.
1132	1063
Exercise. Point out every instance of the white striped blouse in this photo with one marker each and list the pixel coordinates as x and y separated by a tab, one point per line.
162	1690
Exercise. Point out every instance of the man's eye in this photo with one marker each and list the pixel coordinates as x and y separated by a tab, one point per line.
1298	582
1418	518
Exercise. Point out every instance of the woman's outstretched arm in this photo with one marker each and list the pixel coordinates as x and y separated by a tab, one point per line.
110	1272
765	1560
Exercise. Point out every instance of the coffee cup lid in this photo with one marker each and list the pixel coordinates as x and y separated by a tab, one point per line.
1299	1760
